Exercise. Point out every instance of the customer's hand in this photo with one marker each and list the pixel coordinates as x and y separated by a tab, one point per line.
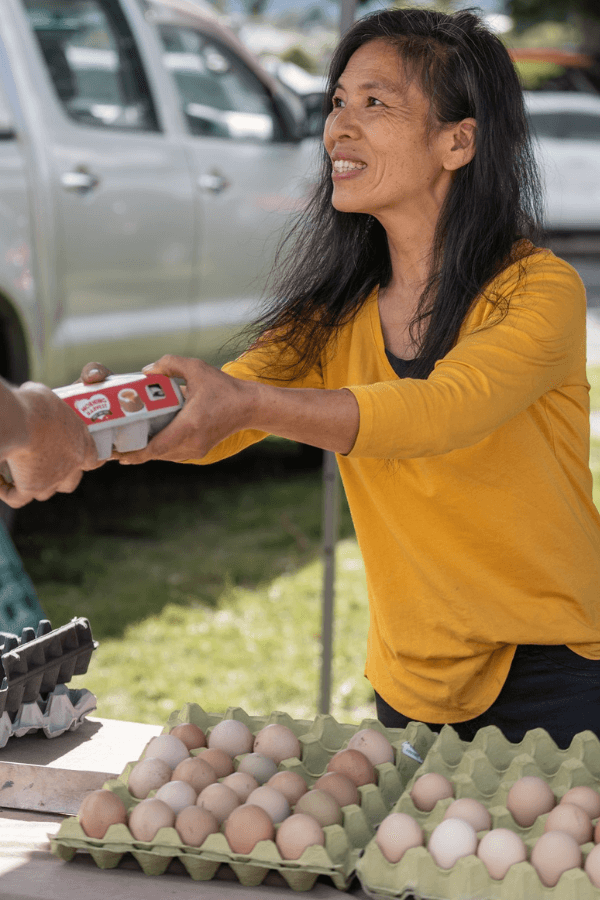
56	449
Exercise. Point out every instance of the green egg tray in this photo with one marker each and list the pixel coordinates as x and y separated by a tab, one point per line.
485	769
320	739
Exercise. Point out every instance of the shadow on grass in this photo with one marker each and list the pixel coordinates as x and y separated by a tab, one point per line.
131	540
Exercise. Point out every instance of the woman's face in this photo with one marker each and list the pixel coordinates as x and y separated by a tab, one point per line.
384	161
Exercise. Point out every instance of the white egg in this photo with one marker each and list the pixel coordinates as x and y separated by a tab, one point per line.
260	767
272	801
177	795
451	840
167	747
232	736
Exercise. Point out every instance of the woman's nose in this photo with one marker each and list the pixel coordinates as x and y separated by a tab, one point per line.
342	123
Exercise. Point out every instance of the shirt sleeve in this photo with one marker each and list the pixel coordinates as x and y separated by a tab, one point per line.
493	373
265	361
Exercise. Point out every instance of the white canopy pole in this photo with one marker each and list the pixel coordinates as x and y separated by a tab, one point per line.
330	526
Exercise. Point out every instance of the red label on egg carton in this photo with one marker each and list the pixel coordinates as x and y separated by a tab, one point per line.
121	398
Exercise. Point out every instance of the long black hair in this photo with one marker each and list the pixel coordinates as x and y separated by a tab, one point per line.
330	261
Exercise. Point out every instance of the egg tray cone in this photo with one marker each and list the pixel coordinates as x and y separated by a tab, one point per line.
485	769
337	860
37	662
59	711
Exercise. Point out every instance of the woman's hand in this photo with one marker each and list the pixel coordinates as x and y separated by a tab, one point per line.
216	406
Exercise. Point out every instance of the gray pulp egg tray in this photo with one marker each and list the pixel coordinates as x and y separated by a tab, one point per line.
34	670
337	860
485	769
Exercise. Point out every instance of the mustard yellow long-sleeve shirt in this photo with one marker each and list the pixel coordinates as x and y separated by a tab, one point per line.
470	492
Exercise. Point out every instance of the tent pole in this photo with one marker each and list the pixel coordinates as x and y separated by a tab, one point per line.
330	536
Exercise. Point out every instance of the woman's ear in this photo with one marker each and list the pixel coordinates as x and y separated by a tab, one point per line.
461	141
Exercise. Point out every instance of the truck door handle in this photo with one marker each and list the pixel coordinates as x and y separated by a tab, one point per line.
80	181
213	182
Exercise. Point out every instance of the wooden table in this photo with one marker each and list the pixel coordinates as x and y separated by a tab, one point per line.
44	774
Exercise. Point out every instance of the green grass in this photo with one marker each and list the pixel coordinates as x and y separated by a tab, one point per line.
202	585
205	584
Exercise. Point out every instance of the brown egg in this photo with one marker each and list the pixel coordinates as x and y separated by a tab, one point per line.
195	771
232	736
572	819
472	811
554	853
218	799
221	762
428	789
278	742
354	765
291	784
148	817
192	735
450	841
99	810
194	824
592	866
373	744
500	849
398	833
242	783
528	798
148	775
297	833
325	808
246	826
339	786
585	797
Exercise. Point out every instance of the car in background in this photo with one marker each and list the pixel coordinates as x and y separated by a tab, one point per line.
148	167
566	130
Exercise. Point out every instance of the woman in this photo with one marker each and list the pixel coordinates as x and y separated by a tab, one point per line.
419	333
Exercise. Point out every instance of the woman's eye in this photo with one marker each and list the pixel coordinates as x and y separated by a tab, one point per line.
337	102
373	101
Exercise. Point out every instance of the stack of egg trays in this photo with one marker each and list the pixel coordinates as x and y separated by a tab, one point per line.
320	739
485	769
41	660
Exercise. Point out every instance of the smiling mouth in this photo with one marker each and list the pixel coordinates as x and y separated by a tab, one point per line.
347	165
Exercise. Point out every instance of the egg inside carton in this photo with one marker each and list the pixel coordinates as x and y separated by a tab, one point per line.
35	669
485	770
317	742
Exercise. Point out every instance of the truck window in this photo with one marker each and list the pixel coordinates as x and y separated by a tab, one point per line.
93	62
220	96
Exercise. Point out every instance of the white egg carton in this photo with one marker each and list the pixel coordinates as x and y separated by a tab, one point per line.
62	710
124	411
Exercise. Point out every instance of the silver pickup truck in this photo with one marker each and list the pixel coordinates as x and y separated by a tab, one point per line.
147	168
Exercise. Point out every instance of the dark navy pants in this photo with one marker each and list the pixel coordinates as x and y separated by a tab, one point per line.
547	687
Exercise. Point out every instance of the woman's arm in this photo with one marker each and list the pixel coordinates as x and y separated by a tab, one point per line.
219	405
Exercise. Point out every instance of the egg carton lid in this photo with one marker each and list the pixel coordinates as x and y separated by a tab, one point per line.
485	769
39	660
